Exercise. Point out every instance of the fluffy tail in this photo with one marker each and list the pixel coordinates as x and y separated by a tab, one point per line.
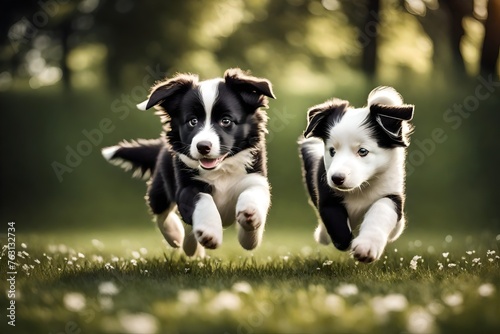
138	155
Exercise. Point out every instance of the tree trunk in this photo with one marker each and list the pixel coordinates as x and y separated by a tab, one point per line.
66	72
369	36
491	42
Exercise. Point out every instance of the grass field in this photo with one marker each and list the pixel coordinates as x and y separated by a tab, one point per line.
131	282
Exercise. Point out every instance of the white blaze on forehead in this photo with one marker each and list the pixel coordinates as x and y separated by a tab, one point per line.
350	128
209	91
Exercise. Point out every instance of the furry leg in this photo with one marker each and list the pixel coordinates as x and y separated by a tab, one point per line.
379	223
251	212
321	235
207	223
171	227
191	246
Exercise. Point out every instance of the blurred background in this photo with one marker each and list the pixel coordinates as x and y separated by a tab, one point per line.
71	73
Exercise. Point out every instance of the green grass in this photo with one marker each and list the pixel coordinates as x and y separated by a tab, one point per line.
130	281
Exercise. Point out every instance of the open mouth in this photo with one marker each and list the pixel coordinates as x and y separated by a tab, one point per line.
207	163
343	188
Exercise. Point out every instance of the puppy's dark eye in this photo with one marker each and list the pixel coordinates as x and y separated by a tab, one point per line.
225	122
193	122
362	152
332	151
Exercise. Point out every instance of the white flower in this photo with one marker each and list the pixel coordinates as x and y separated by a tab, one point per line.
23	245
335	304
80	255
189	297
451	265
143	323
486	289
136	254
225	300
97	244
395	302
454	299
414	262
108	288
445	255
346	290
242	287
327	263
74	301
490	252
382	305
97	258
420	321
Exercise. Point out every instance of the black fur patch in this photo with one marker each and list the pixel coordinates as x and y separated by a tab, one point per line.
328	203
385	124
322	117
398	204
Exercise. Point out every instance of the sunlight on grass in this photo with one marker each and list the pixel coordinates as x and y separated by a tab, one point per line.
131	281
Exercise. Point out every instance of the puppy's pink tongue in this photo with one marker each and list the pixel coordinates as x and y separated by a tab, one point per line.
209	163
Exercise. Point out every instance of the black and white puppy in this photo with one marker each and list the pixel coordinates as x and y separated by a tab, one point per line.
353	163
210	163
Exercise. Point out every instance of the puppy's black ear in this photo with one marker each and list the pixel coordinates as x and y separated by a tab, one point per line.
254	91
165	90
390	120
324	115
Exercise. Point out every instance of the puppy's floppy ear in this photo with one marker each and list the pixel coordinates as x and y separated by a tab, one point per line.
389	113
390	120
165	90
322	115
254	91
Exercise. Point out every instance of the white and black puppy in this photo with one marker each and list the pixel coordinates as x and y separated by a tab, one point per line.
210	163
353	162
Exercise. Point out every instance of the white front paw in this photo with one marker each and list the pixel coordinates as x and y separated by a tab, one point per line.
249	215
209	236
367	249
249	218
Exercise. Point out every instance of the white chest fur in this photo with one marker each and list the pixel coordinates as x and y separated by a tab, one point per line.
228	181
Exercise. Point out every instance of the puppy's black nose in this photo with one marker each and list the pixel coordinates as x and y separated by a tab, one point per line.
204	147
338	179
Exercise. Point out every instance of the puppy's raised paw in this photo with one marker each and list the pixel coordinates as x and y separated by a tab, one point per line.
248	217
367	250
210	238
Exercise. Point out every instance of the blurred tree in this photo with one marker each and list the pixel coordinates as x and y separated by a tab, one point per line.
443	22
491	42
